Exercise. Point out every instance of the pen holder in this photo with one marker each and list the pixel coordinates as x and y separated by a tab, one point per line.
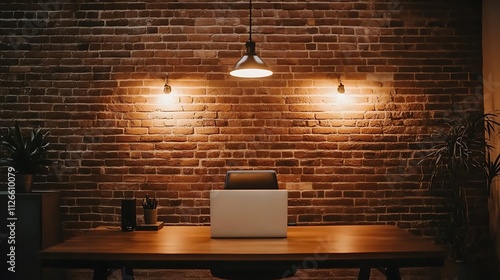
150	216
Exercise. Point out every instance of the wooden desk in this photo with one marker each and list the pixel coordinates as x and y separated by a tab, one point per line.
363	247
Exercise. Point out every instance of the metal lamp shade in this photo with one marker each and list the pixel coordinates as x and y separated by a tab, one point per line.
250	65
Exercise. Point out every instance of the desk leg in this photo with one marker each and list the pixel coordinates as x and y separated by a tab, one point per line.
100	273
127	273
364	273
393	273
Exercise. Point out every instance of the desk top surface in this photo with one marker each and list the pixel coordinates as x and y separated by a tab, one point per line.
193	243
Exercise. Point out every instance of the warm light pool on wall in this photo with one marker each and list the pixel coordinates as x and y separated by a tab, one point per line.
250	65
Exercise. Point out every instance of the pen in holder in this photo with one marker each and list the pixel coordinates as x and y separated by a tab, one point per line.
150	210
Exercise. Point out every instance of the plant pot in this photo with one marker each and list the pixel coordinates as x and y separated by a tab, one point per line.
150	216
24	183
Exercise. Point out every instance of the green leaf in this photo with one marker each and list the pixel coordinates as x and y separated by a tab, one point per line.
25	153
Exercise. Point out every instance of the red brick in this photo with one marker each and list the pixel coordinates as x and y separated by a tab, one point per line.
348	158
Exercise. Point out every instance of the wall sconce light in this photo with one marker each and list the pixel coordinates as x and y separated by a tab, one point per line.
341	88
167	88
251	65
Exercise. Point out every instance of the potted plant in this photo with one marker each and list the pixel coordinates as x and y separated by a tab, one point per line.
150	210
24	154
460	161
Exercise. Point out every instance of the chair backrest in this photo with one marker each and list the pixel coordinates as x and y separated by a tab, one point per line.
251	179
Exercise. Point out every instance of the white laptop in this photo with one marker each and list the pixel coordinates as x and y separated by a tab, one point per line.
248	213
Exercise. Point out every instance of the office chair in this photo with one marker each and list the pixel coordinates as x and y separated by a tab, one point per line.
244	180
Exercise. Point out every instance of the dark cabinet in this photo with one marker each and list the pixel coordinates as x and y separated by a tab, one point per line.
37	226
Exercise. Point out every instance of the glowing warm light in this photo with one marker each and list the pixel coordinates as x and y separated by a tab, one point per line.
340	98
250	65
251	73
167	89
167	99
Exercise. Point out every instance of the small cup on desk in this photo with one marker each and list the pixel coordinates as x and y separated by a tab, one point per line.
150	216
150	211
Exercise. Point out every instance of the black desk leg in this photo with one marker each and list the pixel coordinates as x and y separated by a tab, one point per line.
364	273
127	273
100	273
393	273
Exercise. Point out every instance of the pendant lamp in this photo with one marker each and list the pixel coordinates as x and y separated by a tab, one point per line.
250	65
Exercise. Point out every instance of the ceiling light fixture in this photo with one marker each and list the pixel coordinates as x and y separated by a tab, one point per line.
250	65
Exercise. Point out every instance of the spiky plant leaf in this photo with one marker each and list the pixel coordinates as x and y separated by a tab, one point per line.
25	154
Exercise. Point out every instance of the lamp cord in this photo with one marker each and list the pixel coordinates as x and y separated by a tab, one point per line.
250	37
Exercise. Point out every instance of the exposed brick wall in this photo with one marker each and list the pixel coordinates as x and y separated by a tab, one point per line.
93	72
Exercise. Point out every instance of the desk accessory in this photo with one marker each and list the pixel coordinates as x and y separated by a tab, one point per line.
152	227
128	218
150	210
